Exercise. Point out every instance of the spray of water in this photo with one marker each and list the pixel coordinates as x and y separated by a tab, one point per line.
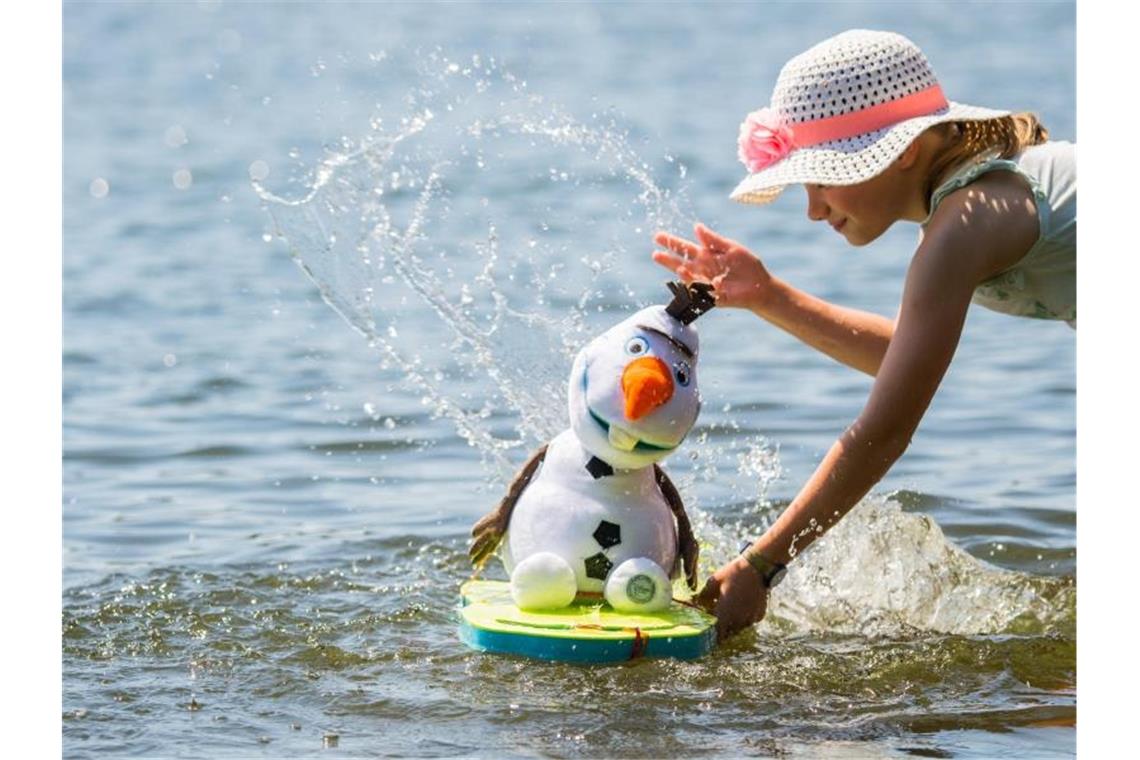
447	218
476	243
882	571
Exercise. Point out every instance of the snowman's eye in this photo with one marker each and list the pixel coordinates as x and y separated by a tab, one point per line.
682	372
636	346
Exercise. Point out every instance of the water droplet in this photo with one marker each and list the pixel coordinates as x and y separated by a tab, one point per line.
183	179
258	170
99	188
169	360
175	136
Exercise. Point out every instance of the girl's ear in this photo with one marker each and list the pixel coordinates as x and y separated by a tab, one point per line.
909	156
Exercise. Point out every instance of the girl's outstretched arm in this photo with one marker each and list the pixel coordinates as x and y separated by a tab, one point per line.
977	232
856	338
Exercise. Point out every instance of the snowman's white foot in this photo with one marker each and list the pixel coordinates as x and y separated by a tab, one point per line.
543	581
638	585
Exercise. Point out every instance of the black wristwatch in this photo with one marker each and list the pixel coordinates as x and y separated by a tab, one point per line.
771	573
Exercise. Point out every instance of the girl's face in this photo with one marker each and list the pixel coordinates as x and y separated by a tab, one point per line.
863	212
860	213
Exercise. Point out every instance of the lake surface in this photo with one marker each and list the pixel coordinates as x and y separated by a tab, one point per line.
325	270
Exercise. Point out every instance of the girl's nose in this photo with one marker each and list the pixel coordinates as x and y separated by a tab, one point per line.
817	208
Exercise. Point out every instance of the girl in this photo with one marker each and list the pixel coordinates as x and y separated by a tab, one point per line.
861	122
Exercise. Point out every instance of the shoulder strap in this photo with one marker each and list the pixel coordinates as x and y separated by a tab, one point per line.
970	172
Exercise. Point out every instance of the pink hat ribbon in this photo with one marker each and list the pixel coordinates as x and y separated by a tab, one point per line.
766	138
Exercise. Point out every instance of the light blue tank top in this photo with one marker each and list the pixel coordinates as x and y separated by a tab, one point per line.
1043	284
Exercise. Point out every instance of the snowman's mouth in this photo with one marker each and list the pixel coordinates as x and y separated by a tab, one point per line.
622	440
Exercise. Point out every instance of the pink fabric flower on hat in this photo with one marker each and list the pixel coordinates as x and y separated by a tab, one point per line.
764	140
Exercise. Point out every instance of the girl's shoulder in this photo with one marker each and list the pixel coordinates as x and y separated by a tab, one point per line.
988	223
1006	205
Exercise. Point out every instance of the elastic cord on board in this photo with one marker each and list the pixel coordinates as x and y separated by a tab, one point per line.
640	644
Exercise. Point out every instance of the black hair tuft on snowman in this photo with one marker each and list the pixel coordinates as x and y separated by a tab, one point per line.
689	301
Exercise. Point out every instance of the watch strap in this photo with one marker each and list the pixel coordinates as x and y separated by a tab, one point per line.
771	573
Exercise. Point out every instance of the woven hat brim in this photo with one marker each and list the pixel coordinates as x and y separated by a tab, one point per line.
849	161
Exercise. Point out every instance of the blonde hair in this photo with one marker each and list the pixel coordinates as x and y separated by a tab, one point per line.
1003	137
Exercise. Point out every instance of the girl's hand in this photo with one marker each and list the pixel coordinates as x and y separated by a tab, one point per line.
737	276
736	595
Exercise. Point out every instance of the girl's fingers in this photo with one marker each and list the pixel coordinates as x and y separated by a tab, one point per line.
677	265
714	242
676	244
668	260
703	269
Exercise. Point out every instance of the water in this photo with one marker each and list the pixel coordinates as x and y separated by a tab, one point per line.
266	499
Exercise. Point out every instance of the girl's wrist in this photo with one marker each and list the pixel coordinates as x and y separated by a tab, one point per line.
767	297
772	546
771	573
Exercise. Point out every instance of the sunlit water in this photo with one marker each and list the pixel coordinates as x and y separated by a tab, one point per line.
325	272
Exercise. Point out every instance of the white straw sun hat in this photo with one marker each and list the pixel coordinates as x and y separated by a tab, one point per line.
841	112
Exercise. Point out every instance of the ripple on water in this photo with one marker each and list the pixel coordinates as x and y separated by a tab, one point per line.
361	645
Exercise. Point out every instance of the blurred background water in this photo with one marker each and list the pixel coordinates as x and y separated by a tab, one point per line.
270	470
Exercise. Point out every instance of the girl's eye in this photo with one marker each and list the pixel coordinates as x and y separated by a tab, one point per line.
682	372
636	346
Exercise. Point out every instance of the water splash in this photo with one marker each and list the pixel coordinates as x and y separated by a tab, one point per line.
884	572
478	222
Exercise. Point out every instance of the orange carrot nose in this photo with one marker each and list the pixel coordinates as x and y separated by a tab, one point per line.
646	385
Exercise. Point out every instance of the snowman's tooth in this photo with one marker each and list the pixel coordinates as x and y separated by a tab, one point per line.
621	440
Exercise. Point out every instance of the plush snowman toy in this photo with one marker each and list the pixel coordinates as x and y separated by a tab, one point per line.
592	511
